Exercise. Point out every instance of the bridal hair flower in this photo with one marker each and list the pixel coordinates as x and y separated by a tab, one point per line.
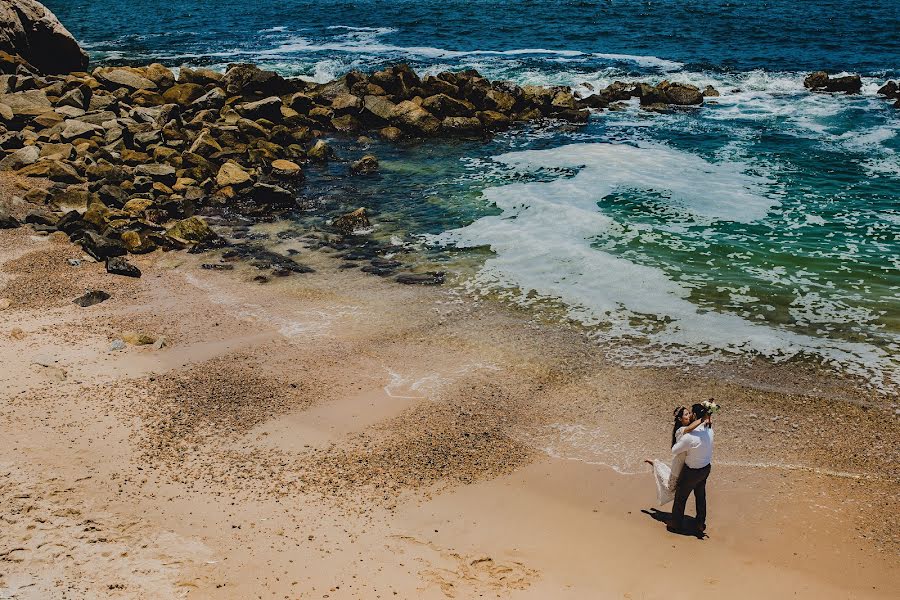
710	406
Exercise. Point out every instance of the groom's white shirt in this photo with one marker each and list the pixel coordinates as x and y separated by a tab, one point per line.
698	445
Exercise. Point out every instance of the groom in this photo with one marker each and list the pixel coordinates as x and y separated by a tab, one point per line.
699	447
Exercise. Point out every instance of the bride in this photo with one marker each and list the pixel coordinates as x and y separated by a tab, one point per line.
667	477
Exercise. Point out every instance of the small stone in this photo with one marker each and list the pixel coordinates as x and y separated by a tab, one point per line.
4	303
16	333
117	265
92	297
138	339
117	345
160	343
74	262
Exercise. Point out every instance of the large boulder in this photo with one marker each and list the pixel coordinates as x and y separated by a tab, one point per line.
29	29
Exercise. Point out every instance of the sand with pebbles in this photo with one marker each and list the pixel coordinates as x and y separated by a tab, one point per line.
336	435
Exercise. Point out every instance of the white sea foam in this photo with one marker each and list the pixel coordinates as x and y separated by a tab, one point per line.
543	238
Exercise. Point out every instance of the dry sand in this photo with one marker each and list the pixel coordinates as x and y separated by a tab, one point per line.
334	435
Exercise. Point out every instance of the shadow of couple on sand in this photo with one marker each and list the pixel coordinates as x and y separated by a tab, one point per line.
689	526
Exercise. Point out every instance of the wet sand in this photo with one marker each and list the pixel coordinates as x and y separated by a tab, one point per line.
336	435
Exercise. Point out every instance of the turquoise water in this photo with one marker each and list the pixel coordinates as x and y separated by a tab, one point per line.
765	223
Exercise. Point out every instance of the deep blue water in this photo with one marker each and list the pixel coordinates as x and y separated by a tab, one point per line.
774	35
765	223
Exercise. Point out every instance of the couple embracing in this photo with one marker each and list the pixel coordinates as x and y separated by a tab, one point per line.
692	449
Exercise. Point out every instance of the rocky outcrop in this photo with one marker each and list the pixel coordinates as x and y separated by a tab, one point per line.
28	29
136	158
820	81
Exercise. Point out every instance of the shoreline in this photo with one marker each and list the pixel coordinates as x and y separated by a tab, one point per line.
268	407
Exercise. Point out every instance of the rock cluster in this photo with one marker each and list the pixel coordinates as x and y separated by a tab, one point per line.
133	153
658	97
820	81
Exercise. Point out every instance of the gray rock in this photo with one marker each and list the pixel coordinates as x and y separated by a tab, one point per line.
75	129
22	157
7	221
118	265
30	103
158	172
122	77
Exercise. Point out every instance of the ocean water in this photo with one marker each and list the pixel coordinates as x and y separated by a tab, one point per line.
766	223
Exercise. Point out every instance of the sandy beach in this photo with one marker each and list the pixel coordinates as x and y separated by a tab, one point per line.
336	435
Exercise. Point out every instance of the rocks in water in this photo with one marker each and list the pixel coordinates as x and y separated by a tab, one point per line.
681	94
92	297
820	81
429	278
271	195
891	91
710	92
321	151
352	221
30	30
118	265
366	165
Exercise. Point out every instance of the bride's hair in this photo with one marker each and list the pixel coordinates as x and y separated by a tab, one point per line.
677	414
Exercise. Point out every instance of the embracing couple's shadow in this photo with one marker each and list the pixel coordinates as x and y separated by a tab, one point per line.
690	524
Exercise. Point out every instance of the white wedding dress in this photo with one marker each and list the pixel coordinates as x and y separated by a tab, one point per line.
666	476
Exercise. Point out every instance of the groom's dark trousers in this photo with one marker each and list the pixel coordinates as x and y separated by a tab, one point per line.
690	480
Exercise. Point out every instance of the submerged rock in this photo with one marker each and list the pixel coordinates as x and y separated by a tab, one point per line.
350	222
364	166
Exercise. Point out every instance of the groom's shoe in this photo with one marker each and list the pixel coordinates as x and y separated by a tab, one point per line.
701	529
